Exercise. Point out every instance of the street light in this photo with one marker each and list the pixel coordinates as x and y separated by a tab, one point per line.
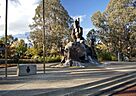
43	37
6	25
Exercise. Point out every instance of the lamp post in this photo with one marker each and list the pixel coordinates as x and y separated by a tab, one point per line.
119	50
43	37
6	25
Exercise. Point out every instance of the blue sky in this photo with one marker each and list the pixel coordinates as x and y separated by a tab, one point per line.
84	9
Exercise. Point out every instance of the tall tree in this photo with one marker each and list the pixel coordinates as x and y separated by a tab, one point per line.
57	24
117	25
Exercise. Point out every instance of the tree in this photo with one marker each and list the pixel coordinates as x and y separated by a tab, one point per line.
10	47
57	24
117	25
21	47
10	39
89	34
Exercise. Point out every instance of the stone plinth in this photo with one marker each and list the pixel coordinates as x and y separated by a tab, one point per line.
25	69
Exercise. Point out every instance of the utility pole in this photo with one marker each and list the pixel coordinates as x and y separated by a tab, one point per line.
43	36
6	27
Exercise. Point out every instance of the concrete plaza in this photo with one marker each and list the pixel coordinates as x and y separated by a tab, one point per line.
58	78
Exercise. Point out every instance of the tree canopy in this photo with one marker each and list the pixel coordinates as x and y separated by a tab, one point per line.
57	24
117	26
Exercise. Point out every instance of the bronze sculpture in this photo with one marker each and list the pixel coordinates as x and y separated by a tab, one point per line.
77	53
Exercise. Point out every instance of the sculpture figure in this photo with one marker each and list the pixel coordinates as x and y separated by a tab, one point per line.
77	31
77	53
92	41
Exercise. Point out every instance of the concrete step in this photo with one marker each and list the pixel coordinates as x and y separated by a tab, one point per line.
86	88
92	89
122	88
108	91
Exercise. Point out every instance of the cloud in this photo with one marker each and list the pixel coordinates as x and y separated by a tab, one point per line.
19	17
79	16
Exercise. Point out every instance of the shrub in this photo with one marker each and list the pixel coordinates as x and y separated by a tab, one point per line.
50	59
104	56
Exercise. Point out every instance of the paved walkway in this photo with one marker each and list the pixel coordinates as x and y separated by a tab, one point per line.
57	78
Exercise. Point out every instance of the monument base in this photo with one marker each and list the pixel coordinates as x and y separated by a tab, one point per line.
25	69
70	63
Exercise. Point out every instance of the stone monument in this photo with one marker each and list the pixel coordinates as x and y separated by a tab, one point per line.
77	53
25	69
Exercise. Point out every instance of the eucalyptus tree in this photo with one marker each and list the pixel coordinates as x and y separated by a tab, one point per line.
118	25
57	24
50	24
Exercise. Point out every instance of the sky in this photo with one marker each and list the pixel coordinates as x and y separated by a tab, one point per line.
20	15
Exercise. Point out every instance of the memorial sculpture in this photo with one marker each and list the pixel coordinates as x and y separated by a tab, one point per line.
77	53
